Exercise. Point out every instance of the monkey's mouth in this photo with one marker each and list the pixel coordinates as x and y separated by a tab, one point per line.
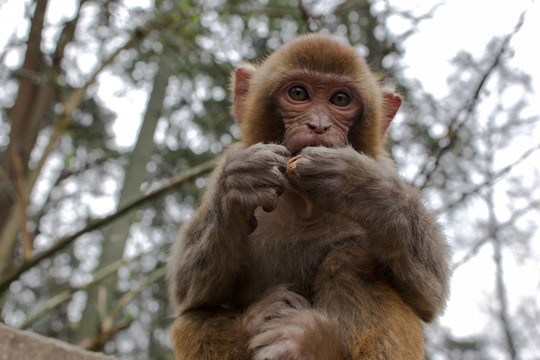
296	147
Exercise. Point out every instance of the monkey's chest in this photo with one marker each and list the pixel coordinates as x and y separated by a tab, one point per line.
287	249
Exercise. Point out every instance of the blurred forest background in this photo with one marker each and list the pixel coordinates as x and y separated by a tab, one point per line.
87	217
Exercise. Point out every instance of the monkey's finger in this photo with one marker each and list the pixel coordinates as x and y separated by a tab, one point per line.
280	161
268	199
265	158
270	148
279	149
270	209
282	187
282	183
277	181
269	206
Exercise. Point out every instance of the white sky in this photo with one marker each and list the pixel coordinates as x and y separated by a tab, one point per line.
469	25
457	25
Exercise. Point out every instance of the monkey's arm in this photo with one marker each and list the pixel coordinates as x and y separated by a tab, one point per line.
373	321
207	261
404	241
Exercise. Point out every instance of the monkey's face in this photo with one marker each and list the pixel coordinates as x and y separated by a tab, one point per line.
316	109
314	91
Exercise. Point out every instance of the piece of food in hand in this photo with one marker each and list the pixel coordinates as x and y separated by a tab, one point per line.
291	165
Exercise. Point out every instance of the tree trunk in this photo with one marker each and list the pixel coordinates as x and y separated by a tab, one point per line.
18	344
35	98
116	236
23	117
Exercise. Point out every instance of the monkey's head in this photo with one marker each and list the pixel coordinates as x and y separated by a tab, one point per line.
313	91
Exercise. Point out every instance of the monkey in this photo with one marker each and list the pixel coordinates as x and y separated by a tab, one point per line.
338	259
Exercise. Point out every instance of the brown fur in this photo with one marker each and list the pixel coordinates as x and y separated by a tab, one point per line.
213	323
346	287
339	261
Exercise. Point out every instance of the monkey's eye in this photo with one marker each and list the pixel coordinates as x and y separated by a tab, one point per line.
298	93
340	99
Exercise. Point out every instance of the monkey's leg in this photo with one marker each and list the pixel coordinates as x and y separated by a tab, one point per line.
209	334
374	322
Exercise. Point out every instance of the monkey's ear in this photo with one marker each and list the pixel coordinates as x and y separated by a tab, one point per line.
391	103
239	89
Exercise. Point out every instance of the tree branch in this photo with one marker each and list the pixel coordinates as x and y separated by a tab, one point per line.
73	103
108	327
489	181
308	19
456	124
65	295
22	197
13	221
502	293
516	215
130	205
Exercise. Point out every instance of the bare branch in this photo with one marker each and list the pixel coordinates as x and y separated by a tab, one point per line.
502	296
65	295
308	19
22	196
108	326
410	16
460	119
130	205
490	180
73	103
13	220
516	215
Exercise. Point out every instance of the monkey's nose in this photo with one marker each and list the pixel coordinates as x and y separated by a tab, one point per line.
319	126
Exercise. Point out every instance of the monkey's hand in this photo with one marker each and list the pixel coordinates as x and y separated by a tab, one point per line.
282	325
253	177
340	180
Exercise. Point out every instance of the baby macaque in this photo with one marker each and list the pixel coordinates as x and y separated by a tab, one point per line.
328	255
